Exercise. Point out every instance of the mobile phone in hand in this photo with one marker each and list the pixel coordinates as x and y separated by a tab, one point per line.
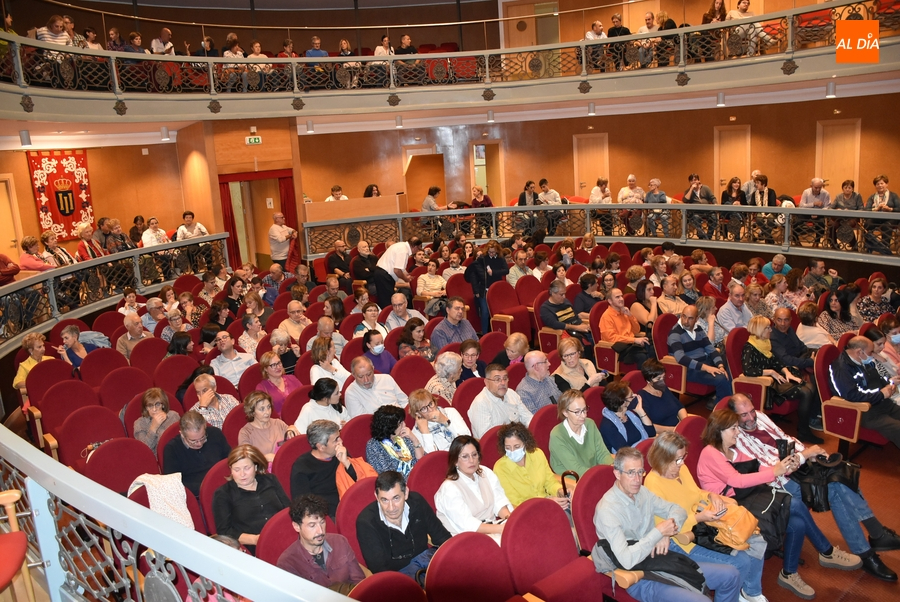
721	512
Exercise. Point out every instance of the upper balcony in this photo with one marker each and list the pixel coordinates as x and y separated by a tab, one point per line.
787	50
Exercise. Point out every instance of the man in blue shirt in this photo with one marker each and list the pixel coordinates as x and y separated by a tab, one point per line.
454	328
316	50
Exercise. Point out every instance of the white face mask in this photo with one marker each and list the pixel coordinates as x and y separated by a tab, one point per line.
516	455
378	349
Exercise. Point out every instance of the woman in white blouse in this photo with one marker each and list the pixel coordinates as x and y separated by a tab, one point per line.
325	363
437	427
471	499
324	404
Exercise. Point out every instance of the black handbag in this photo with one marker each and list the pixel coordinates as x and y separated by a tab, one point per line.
770	506
705	537
814	478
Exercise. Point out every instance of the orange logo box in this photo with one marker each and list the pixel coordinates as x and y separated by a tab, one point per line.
856	41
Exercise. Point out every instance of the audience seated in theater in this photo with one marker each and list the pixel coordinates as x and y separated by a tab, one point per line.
296	320
621	426
689	345
809	332
875	303
325	362
247	500
393	445
777	297
196	451
210	287
73	351
319	470
587	297
670	302
54	32
394	531
514	350
325	328
755	301
176	324
323	558
619	327
537	389
324	404
890	326
848	507
778	265
230	363
471	499
33	344
627	513
163	44
455	328
733	314
576	443
715	286
413	341
431	285
487	269
541	264
634	275
851	377
401	314
287	350
448	370
662	406
262	431
253	333
607	283
382	360
575	372
332	289
213	406
646	307
472	365
716	472
370	391
134	334
364	265
687	287
819	280
436	426
496	404
558	313
523	470
155	313
370	320
155	418
455	267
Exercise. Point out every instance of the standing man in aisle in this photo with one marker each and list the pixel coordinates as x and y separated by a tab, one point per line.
280	237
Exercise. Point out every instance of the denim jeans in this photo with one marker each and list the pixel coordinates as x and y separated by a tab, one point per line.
483	313
750	568
722	382
849	509
801	524
724	579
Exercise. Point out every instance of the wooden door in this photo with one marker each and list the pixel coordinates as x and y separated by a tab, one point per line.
837	152
520	29
731	155
493	165
10	224
423	172
591	161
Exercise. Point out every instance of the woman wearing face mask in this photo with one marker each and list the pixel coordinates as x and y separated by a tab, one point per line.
890	326
523	470
384	362
471	499
663	408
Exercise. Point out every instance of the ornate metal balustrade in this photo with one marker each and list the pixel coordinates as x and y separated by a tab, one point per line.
853	235
35	64
61	291
92	544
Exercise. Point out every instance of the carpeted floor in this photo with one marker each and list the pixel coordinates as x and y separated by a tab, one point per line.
880	484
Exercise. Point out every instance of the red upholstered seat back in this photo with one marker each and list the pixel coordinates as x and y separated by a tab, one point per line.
428	474
480	559
360	495
593	484
117	463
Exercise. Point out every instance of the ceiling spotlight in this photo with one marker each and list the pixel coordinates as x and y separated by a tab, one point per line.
164	134
490	117
830	90
309	128
720	99
591	109
399	122
25	138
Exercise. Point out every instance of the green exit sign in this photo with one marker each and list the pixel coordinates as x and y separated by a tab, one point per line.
252	140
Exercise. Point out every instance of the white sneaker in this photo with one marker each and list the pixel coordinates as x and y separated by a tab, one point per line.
745	597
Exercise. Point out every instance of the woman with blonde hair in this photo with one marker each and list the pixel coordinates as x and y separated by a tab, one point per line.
325	362
687	287
249	497
706	316
755	301
514	350
437	426
253	303
275	383
33	344
262	431
776	297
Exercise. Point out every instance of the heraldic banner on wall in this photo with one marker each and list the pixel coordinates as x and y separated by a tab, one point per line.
62	190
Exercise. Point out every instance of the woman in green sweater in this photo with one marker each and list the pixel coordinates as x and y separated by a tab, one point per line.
575	443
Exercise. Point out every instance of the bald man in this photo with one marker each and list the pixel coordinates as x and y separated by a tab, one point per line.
325	328
339	265
538	388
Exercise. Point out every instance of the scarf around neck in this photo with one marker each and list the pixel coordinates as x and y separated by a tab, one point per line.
763	346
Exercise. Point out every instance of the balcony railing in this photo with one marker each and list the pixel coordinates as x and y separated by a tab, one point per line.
74	289
850	235
31	64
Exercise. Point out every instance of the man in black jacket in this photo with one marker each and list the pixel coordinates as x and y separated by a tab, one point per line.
393	531
853	377
484	271
195	451
793	353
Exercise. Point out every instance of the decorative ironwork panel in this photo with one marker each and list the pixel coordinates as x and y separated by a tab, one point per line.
815	27
887	13
181	77
23	309
707	47
135	75
12	478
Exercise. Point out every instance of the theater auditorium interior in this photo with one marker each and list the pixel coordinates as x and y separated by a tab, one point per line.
756	106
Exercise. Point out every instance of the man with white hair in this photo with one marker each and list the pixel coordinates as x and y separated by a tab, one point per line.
280	237
325	328
370	391
778	265
213	406
155	312
537	389
749	187
134	334
296	320
816	197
